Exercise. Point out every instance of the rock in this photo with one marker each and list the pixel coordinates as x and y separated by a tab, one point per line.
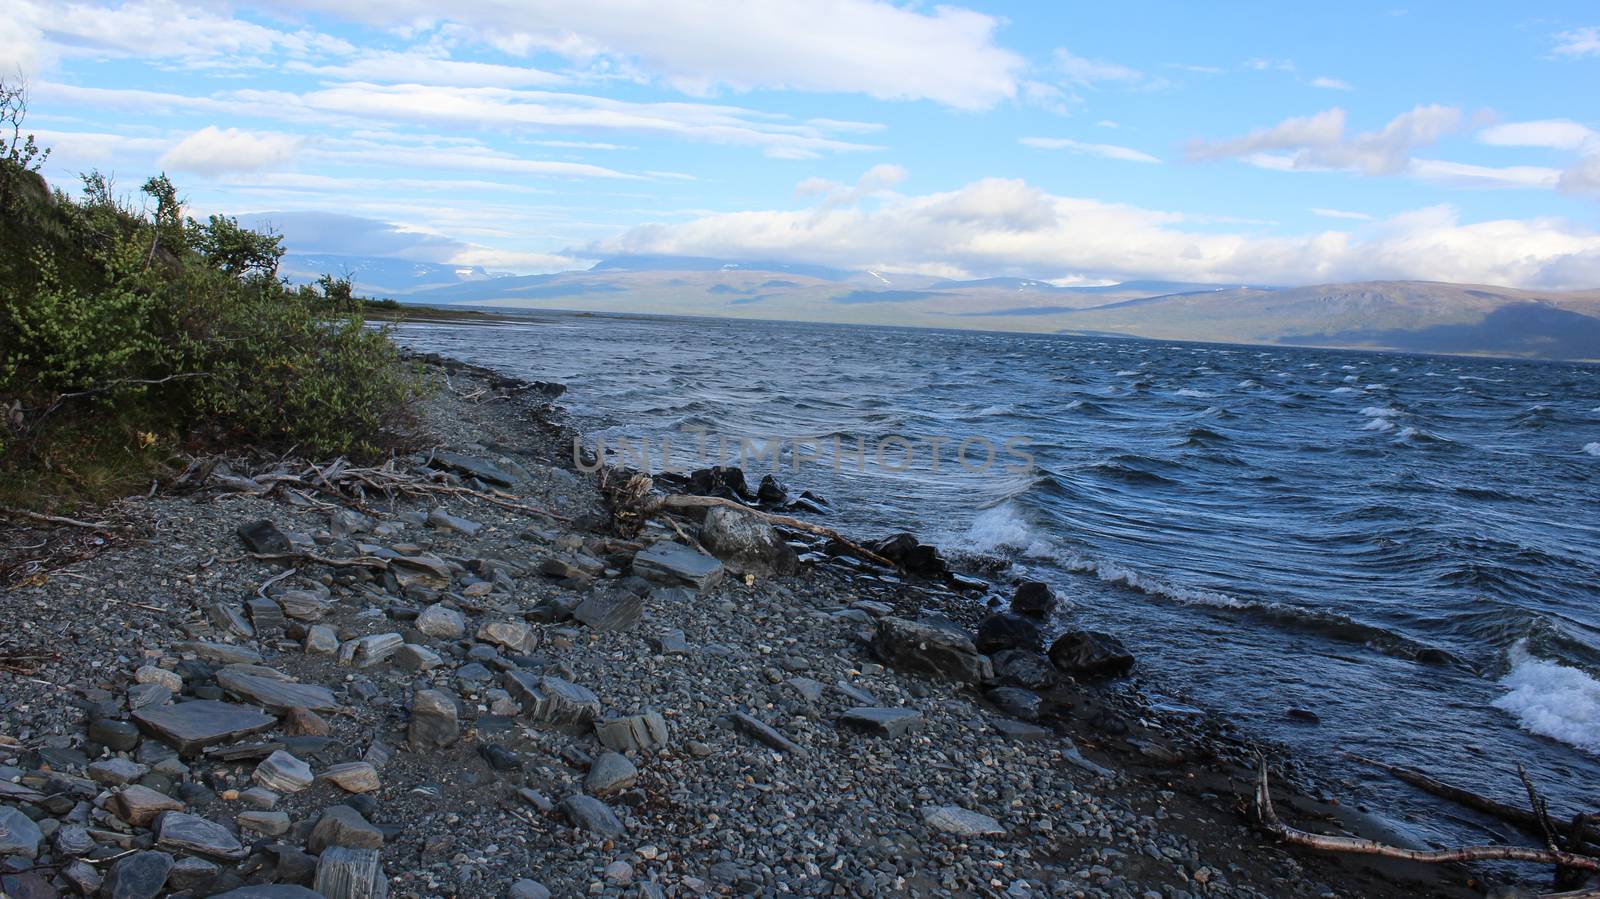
139	805
230	617
192	874
270	823
961	822
115	772
343	826
632	732
1091	653
882	722
221	653
666	562
179	832
282	773
370	650
499	757
348	522
671	643
270	891
189	727
528	889
928	649
119	736
429	570
352	777
443	520
278	695
915	557
765	733
610	773
442	622
589	813
515	636
1033	599
610	610
150	674
350	874
1022	668
83	877
746	543
472	467
1016	702
416	657
26	885
72	840
552	701
302	605
137	876
1003	630
434	721
142	695
18	834
1020	731
264	537
321	640
266	616
1304	716
302	722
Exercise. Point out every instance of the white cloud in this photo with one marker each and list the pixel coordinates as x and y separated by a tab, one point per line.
1340	214
1090	72
1582	178
1000	226
427	68
1262	64
214	151
1554	134
1464	175
1578	42
1318	141
1332	84
1105	151
947	55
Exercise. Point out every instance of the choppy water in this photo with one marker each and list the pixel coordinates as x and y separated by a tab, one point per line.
1408	546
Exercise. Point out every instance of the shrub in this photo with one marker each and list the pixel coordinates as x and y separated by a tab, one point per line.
127	334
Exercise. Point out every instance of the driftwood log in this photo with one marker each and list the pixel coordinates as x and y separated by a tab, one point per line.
1269	821
1511	814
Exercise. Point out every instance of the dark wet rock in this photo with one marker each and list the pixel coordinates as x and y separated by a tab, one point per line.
1016	702
589	813
727	482
350	874
18	834
1003	630
882	722
180	832
610	610
930	649
765	733
552	701
138	876
72	840
771	492
83	877
139	805
1304	716
275	694
472	467
434	721
1033	599
264	537
632	733
915	557
113	734
1091	653
341	825
610	773
666	562
746	543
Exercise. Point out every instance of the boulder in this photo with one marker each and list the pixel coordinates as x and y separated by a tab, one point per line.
141	875
925	648
352	777
1025	668
1016	702
552	701
1033	599
746	543
1091	653
915	557
282	773
370	650
1004	630
515	636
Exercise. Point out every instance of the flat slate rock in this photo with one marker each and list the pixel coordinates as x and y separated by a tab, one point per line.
192	726
137	876
591	814
264	537
472	466
553	701
762	732
223	653
271	891
278	695
18	834
670	563
609	610
961	822
1021	731
883	722
180	832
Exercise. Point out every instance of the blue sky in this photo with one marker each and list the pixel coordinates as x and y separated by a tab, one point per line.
1267	142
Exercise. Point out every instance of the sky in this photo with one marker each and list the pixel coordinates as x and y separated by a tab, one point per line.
1249	142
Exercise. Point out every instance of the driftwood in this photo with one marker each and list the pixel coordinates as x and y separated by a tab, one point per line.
1511	814
1269	820
634	502
53	519
349	485
357	562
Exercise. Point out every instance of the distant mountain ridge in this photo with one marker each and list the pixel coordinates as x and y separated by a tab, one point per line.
1409	315
381	275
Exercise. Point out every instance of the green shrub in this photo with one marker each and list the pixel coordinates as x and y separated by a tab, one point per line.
127	336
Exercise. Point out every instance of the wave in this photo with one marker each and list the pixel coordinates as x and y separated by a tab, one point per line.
1345	390
1381	411
1592	449
1552	700
1000	529
1378	424
1191	392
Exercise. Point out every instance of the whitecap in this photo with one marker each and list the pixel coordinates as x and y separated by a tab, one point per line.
1001	528
1126	373
1552	700
1114	573
1246	384
1189	391
1378	424
1592	449
1380	411
1344	390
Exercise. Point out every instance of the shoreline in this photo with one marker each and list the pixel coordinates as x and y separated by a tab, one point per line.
1169	816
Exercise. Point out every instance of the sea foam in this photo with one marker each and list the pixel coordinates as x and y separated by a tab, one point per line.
1552	700
1592	449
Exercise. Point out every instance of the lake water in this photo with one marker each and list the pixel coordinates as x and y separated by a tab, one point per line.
1407	546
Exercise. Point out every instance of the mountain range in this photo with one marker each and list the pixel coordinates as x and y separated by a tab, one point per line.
1415	316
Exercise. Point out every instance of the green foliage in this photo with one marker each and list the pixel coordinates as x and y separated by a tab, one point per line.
127	335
